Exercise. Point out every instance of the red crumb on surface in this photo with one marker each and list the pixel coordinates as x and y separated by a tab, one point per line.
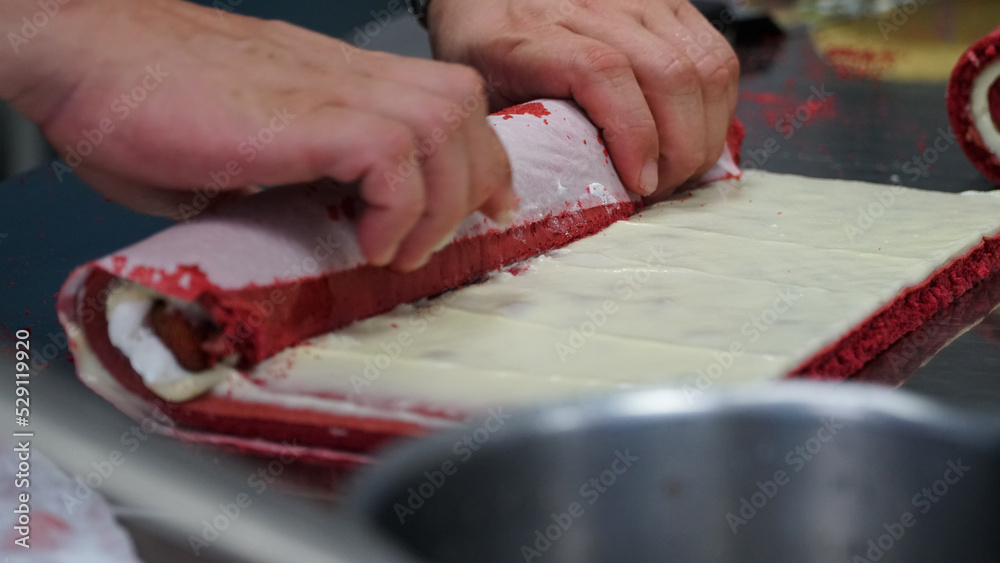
333	212
767	98
532	108
787	112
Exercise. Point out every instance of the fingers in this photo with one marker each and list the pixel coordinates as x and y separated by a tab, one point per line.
350	145
601	79
416	180
654	75
673	90
681	64
719	70
491	188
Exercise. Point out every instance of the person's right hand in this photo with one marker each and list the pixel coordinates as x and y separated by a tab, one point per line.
184	92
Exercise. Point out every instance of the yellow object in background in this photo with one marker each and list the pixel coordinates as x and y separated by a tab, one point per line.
913	42
894	40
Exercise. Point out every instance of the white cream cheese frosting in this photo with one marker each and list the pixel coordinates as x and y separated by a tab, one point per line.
127	310
980	106
736	282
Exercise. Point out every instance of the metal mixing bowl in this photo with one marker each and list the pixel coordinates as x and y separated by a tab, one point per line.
793	472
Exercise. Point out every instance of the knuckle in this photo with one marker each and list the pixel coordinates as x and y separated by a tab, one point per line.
604	61
431	115
731	61
715	77
682	76
397	141
444	213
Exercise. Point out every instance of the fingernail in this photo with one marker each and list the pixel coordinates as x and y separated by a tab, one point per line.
506	218
649	178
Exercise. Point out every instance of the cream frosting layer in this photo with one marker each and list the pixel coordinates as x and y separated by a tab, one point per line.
979	103
736	282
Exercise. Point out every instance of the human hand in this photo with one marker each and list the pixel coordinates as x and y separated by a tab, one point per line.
172	102
654	75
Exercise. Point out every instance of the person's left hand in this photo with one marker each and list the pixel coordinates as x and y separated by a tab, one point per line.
654	75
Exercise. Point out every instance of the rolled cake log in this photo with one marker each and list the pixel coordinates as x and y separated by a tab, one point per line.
974	104
235	287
